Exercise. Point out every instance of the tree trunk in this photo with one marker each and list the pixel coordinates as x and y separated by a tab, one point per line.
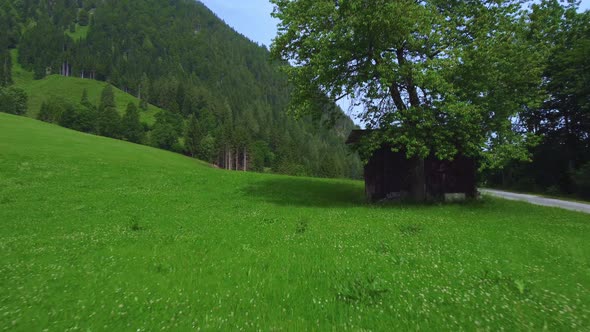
224	158
418	178
230	159
245	159
237	156
6	77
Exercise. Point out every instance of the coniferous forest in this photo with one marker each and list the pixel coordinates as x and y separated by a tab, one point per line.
221	98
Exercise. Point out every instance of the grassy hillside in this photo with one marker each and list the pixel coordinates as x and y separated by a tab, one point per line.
99	234
69	88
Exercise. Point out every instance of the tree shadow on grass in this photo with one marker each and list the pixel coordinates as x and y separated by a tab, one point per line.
308	192
293	191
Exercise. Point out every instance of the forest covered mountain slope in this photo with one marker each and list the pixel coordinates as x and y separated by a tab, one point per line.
71	90
180	57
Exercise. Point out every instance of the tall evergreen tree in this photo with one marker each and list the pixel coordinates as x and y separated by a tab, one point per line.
108	120
83	19
5	67
69	117
163	135
193	136
107	98
207	149
108	123
84	100
144	92
44	114
131	128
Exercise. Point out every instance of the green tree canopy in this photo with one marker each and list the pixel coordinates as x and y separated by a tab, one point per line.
442	77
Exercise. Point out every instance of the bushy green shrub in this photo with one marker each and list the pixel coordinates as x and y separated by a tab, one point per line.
13	101
74	116
52	110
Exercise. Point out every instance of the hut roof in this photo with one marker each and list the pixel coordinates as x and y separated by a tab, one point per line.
356	135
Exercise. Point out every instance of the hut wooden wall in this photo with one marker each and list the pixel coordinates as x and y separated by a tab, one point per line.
386	173
456	176
387	176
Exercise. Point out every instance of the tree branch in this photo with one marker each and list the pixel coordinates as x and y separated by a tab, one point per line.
397	97
414	99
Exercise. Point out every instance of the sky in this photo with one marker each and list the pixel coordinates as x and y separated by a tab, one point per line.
249	17
252	19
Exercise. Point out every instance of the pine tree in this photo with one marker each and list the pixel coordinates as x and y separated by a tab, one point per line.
132	130
143	92
108	121
107	98
207	148
5	68
44	114
39	71
163	135
69	118
83	17
52	109
87	119
84	98
87	114
193	136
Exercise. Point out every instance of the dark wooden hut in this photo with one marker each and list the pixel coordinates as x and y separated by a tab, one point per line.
391	175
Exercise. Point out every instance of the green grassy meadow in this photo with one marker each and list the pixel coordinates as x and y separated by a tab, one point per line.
71	89
100	234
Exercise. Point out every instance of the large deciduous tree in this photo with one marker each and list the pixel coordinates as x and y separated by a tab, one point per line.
563	120
436	77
